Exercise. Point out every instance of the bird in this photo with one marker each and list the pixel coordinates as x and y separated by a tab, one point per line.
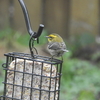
56	45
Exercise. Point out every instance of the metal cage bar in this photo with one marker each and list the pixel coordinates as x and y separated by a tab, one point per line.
31	82
41	81
5	77
14	79
26	77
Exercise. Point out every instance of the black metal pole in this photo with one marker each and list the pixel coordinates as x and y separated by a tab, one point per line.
5	80
26	16
27	20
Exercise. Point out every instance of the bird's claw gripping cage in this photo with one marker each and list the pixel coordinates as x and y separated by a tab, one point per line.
30	76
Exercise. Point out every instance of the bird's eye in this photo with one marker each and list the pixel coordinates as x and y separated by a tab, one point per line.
50	37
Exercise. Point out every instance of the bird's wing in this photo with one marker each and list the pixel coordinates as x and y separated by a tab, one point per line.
54	46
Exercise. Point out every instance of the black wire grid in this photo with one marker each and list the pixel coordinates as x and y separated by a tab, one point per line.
48	85
27	57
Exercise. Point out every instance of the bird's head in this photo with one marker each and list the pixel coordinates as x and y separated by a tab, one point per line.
54	38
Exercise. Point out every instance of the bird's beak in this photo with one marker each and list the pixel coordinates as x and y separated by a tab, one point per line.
47	36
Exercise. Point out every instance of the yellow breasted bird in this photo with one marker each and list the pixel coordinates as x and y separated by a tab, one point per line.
56	45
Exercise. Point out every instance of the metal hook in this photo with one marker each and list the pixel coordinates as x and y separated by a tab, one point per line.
28	25
29	29
31	46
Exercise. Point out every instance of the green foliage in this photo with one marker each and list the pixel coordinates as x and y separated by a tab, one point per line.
7	38
80	80
11	38
86	39
42	38
23	39
81	40
86	95
95	56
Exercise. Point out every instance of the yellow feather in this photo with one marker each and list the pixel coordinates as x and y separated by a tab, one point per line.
54	38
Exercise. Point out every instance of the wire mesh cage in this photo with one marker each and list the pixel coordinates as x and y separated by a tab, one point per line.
29	76
31	79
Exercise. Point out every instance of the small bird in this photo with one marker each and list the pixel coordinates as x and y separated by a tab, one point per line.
56	45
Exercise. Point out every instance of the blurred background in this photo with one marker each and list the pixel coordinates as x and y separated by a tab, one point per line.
77	21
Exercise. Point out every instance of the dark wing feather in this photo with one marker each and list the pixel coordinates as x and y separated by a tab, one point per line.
54	45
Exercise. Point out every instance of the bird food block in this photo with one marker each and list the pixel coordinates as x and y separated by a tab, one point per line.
32	80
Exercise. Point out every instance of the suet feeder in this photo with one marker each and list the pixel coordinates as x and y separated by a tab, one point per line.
31	76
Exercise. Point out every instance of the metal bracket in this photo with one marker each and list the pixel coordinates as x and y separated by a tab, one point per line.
28	25
29	29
